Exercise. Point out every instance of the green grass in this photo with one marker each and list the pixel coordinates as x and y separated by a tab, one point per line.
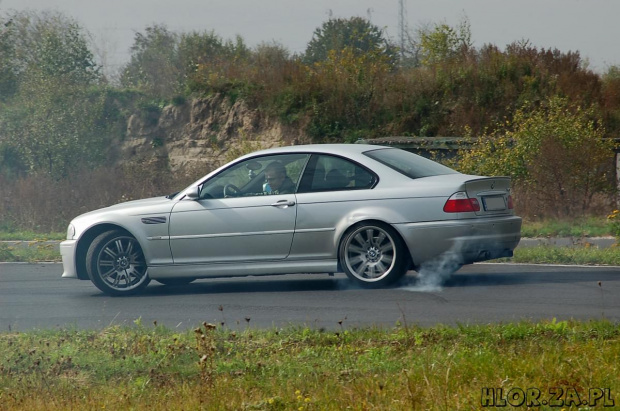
579	227
404	368
585	255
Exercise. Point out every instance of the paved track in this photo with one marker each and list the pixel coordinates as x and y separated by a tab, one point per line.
34	296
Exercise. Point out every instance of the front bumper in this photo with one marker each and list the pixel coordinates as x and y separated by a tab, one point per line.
67	251
469	241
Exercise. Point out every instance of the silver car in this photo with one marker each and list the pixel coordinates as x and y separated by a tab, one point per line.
370	211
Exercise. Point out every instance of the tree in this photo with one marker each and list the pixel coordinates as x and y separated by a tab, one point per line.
163	62
50	116
611	97
154	66
8	75
356	33
49	42
444	42
57	131
208	60
206	47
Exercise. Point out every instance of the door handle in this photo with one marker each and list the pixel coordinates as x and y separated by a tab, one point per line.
283	203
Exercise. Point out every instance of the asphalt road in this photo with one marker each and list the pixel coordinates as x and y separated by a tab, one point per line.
34	296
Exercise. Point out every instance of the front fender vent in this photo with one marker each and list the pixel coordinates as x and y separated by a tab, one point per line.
153	220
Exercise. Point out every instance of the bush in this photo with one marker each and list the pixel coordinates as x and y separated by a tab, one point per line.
556	155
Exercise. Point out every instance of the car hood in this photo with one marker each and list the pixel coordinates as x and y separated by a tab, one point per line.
134	207
137	204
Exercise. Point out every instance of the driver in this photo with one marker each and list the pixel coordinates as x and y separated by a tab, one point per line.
278	181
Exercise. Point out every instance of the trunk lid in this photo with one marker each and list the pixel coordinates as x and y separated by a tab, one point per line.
492	193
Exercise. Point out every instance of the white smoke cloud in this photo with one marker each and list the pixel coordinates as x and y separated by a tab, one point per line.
433	274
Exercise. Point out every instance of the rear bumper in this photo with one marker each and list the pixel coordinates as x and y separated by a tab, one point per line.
67	251
467	241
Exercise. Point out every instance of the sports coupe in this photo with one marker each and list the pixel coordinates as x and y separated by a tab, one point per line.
369	211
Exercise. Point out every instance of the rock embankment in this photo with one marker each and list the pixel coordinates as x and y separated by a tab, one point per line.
202	131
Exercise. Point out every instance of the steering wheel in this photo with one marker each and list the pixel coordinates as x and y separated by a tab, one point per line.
231	190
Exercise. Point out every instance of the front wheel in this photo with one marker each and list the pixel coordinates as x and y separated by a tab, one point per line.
373	255
116	264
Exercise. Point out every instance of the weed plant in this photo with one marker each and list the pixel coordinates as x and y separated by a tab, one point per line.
296	368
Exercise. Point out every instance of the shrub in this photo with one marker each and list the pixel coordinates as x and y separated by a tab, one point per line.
556	154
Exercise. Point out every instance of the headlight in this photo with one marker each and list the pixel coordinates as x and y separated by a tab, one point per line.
70	232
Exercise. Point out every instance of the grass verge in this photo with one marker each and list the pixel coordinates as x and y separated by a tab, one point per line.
585	255
32	252
407	367
578	227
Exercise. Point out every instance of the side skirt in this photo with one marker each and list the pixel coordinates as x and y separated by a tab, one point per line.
242	269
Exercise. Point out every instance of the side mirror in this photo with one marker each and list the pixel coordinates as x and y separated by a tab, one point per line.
193	193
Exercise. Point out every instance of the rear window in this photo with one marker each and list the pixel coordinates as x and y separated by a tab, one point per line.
409	164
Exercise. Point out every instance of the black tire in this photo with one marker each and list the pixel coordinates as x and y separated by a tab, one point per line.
175	281
373	255
116	264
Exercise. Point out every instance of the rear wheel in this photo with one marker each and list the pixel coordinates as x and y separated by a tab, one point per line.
373	255
116	263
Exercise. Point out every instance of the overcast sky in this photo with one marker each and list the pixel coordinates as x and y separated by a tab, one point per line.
588	26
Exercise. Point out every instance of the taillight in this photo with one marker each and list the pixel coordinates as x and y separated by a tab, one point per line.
460	203
510	205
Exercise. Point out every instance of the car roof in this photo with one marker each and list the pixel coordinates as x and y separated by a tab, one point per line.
343	149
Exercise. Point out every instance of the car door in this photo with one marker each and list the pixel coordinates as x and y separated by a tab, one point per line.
331	188
237	217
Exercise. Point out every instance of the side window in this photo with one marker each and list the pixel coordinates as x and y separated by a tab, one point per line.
275	174
330	173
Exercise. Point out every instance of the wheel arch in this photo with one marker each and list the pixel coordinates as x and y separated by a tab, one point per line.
86	240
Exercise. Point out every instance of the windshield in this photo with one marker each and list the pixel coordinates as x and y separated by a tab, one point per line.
409	164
